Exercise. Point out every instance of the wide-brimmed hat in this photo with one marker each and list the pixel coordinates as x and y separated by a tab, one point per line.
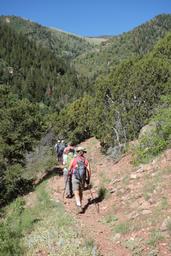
81	149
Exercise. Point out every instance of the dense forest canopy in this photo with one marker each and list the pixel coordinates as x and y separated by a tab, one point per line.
35	73
53	80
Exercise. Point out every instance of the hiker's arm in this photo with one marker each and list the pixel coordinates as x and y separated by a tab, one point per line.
88	170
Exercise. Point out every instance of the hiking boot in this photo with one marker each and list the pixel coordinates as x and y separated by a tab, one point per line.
80	209
68	196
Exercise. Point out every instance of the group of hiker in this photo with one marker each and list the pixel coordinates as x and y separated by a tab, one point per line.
76	170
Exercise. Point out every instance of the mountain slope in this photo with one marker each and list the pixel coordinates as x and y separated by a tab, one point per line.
134	43
123	101
34	72
60	43
93	55
134	201
121	104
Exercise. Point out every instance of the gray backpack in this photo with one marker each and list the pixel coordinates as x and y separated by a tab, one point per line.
80	170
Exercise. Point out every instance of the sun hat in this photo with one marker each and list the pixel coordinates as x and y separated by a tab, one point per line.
81	149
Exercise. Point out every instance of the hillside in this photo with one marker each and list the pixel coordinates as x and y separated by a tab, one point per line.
62	44
73	107
137	42
122	102
34	72
113	96
126	212
94	55
134	212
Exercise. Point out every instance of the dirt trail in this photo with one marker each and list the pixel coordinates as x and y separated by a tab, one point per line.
138	204
91	222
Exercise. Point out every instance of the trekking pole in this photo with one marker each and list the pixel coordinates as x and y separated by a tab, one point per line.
96	204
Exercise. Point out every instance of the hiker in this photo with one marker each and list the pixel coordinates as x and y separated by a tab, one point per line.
68	147
78	168
67	158
56	147
60	151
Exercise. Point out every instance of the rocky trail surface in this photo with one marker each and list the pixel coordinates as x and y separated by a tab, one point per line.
133	215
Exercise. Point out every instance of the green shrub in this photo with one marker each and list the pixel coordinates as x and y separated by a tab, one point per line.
152	144
102	193
11	230
9	241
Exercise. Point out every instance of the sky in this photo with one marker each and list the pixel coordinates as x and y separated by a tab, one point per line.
87	17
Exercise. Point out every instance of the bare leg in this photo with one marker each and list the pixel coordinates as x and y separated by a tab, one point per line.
77	198
81	195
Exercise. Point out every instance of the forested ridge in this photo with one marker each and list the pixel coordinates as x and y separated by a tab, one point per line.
110	53
109	90
62	44
124	100
34	72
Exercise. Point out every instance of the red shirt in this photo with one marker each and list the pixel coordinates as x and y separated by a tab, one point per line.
74	162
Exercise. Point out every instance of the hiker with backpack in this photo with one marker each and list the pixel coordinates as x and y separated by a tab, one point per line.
67	158
59	151
56	147
79	167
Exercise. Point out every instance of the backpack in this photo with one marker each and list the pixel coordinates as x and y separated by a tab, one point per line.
60	149
56	147
80	170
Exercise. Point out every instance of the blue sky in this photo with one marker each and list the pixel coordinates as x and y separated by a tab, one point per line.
87	17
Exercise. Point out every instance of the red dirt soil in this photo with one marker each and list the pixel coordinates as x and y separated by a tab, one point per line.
92	222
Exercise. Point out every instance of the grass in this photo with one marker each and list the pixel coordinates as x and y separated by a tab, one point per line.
149	188
169	226
56	232
136	246
164	203
44	227
122	228
158	215
110	219
104	180
154	238
126	180
12	227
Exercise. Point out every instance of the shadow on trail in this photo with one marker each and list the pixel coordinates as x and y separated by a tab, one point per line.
94	200
55	171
